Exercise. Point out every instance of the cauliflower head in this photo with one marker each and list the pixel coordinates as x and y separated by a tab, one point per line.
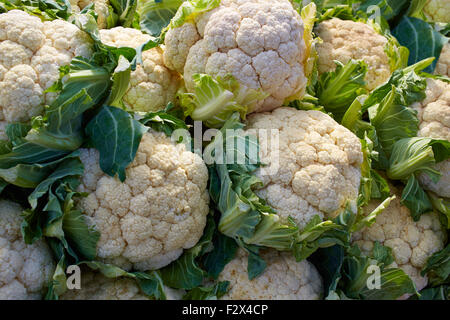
101	8
437	10
160	209
31	52
152	84
443	64
259	42
95	286
314	170
434	122
283	279
25	269
344	40
412	243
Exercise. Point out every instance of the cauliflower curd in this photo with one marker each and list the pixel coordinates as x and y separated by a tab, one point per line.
412	243
437	10
152	84
283	279
443	64
344	40
160	209
318	164
25	270
31	52
259	42
434	117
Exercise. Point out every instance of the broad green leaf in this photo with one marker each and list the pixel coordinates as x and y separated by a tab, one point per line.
224	251
125	11
116	135
416	199
438	267
155	15
422	40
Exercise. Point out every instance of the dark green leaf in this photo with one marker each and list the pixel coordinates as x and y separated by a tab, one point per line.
116	135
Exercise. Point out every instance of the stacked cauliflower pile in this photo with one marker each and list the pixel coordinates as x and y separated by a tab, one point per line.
152	85
283	279
316	169
434	119
101	8
31	52
259	42
412	243
25	270
366	45
160	209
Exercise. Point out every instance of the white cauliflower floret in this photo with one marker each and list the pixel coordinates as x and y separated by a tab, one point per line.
152	85
434	116
160	209
437	10
317	163
100	8
283	279
412	243
443	64
24	269
344	40
259	42
31	52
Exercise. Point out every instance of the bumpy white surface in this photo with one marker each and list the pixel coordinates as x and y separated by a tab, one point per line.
344	40
283	279
31	53
100	8
318	163
259	42
24	269
434	117
160	209
443	64
152	84
437	10
412	243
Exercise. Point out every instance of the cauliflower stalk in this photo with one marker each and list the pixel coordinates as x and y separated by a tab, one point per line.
152	85
31	52
25	270
259	42
283	279
160	209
